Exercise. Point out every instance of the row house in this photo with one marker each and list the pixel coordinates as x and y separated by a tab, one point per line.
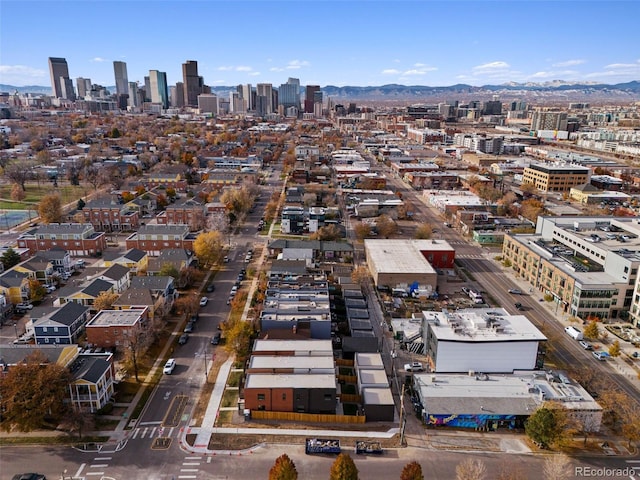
61	326
156	294
432	180
79	239
134	259
117	328
92	374
175	180
109	215
14	286
37	268
187	212
155	238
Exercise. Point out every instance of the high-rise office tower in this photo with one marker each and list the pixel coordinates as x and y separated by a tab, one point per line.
542	120
312	93
83	85
265	90
246	94
133	94
122	81
159	90
289	94
192	83
176	95
147	89
58	69
67	88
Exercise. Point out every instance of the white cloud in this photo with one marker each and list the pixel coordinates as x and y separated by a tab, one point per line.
563	74
21	74
418	65
236	68
569	63
276	69
490	67
254	74
99	59
391	71
623	65
419	71
296	64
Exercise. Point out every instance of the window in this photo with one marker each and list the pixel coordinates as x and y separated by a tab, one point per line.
261	397
328	397
284	396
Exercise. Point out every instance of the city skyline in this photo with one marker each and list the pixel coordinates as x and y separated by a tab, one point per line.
355	43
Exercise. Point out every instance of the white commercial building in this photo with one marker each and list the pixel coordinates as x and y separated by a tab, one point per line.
487	340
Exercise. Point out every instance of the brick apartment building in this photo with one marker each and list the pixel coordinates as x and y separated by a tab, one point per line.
154	238
109	215
79	239
115	328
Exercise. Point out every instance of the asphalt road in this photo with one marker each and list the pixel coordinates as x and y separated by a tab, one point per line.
151	464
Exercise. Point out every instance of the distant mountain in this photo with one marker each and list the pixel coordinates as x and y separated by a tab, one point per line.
555	90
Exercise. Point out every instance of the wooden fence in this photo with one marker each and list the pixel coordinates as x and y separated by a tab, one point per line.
307	417
341	362
350	398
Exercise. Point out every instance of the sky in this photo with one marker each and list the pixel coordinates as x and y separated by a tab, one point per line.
349	42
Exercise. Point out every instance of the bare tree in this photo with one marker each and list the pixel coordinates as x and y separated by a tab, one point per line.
19	172
557	467
471	469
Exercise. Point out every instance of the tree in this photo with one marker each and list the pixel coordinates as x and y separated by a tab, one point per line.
592	330
50	208
169	270
208	248
557	467
36	290
32	392
105	300
17	193
81	204
238	335
328	232
631	425
360	275
423	231
548	425
531	209
362	230
186	304
614	349
93	176
19	172
385	226
343	468
412	471
78	421
10	258
283	469
471	469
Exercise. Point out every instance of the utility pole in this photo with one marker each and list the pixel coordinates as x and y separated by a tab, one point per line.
403	419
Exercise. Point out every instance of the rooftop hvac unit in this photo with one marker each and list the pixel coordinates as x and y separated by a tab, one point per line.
471	373
433	379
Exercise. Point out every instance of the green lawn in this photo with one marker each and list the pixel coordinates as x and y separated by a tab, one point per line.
34	193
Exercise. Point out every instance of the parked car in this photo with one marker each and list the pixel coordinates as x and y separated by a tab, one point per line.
169	366
413	367
215	340
226	259
183	339
194	318
211	287
519	306
24	306
189	327
29	476
586	345
515	291
602	356
204	301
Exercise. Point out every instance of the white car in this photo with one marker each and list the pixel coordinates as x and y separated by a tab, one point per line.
24	306
413	367
204	301
169	366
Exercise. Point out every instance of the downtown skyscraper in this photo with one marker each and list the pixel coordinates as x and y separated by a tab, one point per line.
158	87
192	83
122	80
61	84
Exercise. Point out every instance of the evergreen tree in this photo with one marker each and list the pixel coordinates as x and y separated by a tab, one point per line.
283	469
343	468
412	471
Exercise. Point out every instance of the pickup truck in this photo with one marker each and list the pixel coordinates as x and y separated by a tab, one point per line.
320	445
368	448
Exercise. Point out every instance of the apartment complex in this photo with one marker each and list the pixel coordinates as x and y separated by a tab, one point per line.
588	264
80	240
548	178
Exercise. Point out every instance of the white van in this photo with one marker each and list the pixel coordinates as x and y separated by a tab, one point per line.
574	333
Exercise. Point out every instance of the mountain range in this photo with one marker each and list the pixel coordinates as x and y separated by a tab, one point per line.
556	90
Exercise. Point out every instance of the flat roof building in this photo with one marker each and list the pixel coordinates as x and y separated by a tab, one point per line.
485	340
556	177
489	402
